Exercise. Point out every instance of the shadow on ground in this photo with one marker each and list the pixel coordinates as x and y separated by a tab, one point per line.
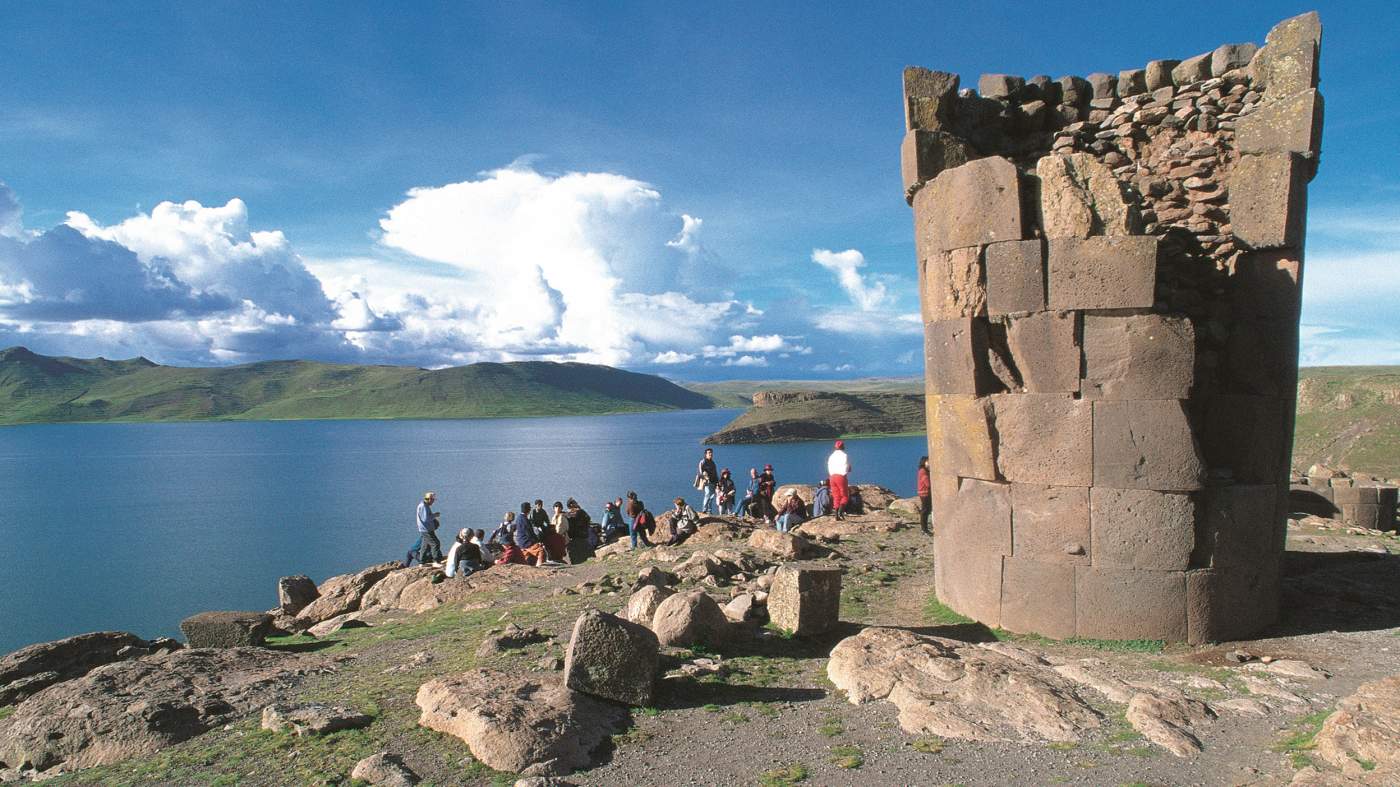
1338	591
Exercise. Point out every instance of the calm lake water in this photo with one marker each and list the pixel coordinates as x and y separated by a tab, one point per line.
136	526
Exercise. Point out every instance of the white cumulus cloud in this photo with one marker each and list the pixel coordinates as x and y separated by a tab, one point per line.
867	296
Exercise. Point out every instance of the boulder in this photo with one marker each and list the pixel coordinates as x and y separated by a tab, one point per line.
312	718
786	546
136	708
619	547
1365	727
641	607
652	575
29	670
1079	197
954	689
868	498
388	592
350	620
688	619
908	506
344	593
805	600
226	629
612	658
701	565
531	725
829	528
717	531
294	593
744	608
804	491
384	770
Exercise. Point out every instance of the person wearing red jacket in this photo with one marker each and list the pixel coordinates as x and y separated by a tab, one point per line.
925	489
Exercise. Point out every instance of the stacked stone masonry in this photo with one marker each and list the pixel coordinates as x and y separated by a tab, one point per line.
1110	272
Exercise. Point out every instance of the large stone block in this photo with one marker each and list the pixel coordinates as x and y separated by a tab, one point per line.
1144	444
1132	82
805	600
1142	528
967	581
1139	356
1288	62
612	658
1050	524
1044	439
961	441
925	153
294	593
1075	91
1038	597
1191	70
977	518
999	85
1267	285
1262	357
1045	349
1102	273
955	357
1112	603
1159	73
1230	603
1103	85
1228	57
1289	125
226	629
974	204
929	97
1079	197
1237	526
953	285
1015	272
1268	200
1243	437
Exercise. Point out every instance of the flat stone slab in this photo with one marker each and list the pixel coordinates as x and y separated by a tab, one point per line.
312	718
226	629
532	725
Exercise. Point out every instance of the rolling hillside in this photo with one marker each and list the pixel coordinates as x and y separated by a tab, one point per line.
37	388
739	393
1349	416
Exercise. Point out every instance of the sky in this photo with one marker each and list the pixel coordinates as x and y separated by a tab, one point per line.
700	190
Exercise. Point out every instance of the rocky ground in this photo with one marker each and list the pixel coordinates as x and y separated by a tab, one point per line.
984	707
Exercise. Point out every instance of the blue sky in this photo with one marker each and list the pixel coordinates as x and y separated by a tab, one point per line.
701	190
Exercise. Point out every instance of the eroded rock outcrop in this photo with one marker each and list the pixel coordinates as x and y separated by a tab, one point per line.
344	593
960	690
136	708
32	669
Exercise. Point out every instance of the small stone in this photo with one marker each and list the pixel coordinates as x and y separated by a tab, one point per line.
312	718
384	770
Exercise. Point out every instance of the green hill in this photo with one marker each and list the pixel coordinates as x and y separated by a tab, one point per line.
781	416
739	393
37	388
1349	416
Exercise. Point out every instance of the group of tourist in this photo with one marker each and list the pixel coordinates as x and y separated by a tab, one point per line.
565	533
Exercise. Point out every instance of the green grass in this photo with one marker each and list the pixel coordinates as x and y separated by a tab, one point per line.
928	745
1301	739
831	727
939	614
6	712
36	388
787	774
847	757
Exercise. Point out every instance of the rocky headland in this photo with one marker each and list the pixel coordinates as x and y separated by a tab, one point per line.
788	416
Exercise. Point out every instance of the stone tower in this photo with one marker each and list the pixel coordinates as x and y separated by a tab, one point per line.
1110	270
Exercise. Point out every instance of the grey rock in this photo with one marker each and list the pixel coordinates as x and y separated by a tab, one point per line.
312	718
226	629
29	670
612	658
384	770
295	592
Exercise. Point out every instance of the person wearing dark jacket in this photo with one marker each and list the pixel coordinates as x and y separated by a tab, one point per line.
707	480
613	526
539	518
792	512
767	485
821	500
925	491
726	493
523	537
580	531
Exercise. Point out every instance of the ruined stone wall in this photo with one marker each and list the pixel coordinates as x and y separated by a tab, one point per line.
1110	270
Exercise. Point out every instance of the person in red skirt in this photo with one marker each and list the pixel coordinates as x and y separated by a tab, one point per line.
838	467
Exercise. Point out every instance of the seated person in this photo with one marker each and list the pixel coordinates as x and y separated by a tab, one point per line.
684	522
464	553
792	513
821	501
556	535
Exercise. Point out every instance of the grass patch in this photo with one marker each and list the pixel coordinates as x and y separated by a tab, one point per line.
1064	745
780	777
928	745
1218	674
650	713
1142	751
938	613
765	709
848	757
1302	739
735	717
1120	645
831	727
6	712
710	707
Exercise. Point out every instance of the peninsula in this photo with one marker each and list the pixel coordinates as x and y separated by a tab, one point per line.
36	388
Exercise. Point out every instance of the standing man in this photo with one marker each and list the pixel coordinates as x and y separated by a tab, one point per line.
708	476
431	551
838	467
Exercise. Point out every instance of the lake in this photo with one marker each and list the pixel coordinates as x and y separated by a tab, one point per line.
136	526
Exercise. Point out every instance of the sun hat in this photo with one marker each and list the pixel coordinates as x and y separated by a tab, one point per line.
840	443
